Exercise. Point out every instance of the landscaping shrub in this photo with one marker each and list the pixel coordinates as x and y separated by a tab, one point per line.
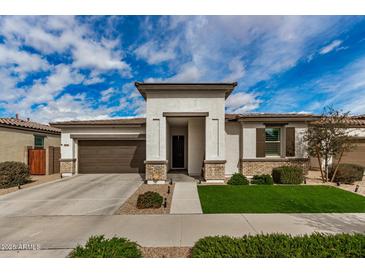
13	174
149	199
99	247
238	179
265	179
288	175
347	173
281	246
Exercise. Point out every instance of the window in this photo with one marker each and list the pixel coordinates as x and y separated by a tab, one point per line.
38	141
272	141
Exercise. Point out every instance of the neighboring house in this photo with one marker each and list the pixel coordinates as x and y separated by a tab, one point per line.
186	128
356	125
34	144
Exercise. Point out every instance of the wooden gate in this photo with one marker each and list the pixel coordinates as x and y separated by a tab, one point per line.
54	159
37	161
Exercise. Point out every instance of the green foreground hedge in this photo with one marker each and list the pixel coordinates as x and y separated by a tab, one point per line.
281	246
13	174
288	175
99	247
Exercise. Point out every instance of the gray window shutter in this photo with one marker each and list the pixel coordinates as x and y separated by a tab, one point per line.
260	142
290	141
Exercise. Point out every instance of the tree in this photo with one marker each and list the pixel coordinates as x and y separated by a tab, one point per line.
328	137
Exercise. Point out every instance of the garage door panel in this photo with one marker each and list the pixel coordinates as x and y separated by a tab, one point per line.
111	156
357	156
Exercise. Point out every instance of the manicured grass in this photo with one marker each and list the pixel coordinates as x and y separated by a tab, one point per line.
279	199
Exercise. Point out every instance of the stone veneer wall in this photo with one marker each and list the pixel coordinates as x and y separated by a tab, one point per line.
214	170
156	170
250	167
67	166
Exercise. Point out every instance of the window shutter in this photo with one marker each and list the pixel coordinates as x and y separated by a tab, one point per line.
260	142
290	141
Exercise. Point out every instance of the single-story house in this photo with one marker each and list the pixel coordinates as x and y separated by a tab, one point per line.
185	128
34	144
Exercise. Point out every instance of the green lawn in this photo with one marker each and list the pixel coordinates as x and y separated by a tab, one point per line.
279	199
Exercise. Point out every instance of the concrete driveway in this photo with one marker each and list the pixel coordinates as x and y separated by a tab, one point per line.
91	194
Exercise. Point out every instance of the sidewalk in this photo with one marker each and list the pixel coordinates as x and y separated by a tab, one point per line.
185	199
57	235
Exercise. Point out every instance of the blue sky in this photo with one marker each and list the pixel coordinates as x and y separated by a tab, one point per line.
65	68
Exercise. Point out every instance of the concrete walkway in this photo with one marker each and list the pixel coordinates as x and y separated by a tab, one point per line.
185	199
57	235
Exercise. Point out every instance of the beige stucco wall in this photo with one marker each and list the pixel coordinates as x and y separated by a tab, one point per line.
14	144
196	136
233	139
189	101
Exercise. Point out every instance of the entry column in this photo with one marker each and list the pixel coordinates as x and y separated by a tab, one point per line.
214	163
156	161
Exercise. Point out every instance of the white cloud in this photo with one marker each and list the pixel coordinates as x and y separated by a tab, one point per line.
237	70
61	34
68	107
107	94
154	53
21	61
330	47
265	45
45	91
241	102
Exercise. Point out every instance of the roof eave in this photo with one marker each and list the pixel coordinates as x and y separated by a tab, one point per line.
226	87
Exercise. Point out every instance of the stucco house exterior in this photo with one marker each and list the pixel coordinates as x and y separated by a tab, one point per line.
32	143
185	129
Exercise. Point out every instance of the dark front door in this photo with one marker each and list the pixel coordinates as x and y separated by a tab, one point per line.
177	151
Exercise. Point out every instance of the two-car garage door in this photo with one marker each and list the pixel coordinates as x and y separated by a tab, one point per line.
111	156
357	155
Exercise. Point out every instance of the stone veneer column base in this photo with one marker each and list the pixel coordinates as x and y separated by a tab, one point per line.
67	167
250	167
156	172
214	171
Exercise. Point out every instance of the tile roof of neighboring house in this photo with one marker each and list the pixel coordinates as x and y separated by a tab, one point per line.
29	125
271	116
121	121
355	121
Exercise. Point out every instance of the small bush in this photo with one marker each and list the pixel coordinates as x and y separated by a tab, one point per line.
99	247
149	199
238	179
347	173
13	174
288	175
281	246
265	179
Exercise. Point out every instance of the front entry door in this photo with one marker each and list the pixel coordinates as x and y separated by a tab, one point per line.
177	151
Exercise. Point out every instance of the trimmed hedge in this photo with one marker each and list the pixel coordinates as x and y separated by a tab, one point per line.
99	247
13	174
238	179
149	199
290	175
281	246
347	173
265	179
